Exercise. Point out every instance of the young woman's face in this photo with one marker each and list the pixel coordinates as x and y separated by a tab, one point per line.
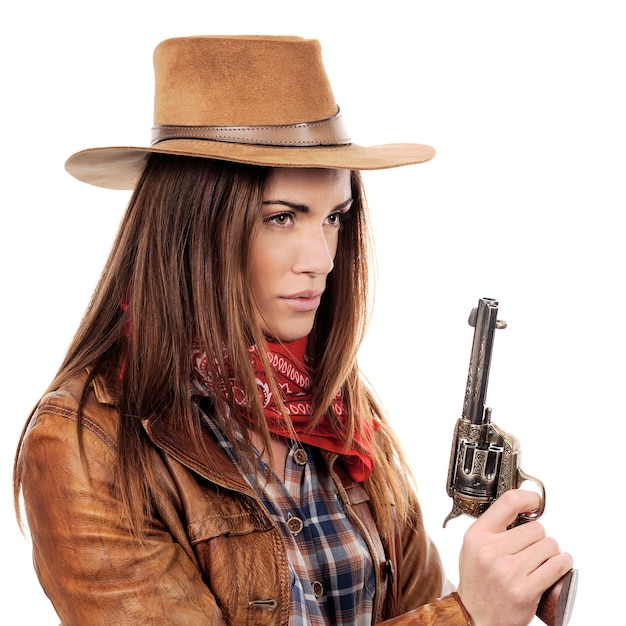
294	249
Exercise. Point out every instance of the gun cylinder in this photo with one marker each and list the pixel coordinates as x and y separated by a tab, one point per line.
478	469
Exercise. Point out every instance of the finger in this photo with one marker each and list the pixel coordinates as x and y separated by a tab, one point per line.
534	555
522	537
550	571
504	511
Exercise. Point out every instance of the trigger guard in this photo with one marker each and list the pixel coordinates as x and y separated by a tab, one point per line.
537	513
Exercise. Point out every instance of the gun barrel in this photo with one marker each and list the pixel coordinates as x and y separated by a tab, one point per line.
484	318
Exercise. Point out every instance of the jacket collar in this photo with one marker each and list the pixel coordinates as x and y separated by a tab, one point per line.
107	387
205	457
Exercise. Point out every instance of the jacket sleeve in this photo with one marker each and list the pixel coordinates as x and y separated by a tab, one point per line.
91	567
426	596
447	611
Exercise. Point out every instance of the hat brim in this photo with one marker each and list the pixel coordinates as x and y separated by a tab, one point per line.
121	167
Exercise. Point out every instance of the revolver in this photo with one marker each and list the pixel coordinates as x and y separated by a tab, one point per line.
485	460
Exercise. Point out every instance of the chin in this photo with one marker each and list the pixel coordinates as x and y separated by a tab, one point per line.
290	332
288	327
286	337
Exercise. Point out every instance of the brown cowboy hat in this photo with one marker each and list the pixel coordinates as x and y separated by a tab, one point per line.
258	100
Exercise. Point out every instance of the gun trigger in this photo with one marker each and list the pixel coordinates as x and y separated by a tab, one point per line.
537	513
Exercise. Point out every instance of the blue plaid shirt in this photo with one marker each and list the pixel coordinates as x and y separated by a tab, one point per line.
332	575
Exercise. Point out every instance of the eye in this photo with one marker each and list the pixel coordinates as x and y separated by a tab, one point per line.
337	218
280	219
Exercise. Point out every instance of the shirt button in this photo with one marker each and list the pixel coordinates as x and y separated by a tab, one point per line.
318	589
295	525
300	456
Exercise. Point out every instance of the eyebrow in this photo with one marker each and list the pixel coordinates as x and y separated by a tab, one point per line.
303	208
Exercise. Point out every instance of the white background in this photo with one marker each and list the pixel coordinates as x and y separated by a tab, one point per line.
524	102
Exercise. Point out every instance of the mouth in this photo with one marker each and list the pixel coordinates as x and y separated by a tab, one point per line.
303	301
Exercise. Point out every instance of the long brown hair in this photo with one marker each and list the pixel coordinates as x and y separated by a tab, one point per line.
178	273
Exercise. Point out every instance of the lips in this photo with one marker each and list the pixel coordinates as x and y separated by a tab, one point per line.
303	301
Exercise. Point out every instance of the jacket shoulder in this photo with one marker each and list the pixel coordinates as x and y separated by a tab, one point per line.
57	413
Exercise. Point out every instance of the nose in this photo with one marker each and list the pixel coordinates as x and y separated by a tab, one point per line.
315	253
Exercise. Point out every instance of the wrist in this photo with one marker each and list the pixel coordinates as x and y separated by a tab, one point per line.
465	612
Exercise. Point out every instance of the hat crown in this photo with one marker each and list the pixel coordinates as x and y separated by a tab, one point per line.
240	81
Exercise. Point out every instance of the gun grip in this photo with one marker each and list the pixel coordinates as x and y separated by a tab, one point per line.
557	602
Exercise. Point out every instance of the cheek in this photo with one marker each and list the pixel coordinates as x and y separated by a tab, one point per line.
258	272
265	269
333	245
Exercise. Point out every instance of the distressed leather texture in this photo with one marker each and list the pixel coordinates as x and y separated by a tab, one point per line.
210	554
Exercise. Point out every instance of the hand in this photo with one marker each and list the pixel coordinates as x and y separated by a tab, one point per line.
504	572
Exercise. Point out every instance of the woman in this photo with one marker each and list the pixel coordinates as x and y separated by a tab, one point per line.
208	452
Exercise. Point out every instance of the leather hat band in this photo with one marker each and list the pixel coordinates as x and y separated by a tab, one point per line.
328	132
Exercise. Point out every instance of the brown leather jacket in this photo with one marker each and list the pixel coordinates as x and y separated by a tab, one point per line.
211	555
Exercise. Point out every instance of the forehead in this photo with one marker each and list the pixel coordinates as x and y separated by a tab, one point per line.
304	181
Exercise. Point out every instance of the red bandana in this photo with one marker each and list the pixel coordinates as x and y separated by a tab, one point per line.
293	378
